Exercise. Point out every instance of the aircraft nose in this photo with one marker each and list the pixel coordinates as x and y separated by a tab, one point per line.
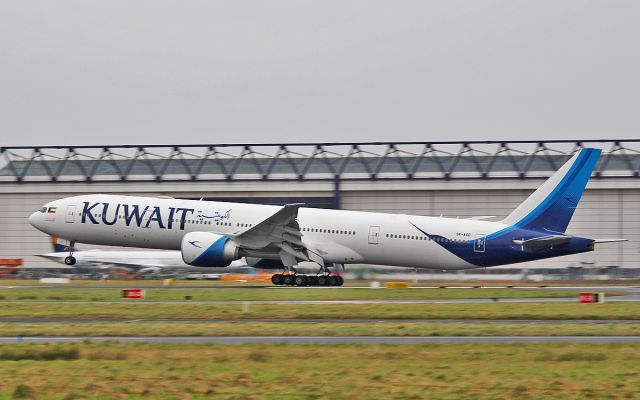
35	220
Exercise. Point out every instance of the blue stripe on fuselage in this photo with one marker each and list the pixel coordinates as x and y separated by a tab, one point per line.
501	250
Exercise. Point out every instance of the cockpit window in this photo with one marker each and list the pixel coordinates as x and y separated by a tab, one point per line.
43	209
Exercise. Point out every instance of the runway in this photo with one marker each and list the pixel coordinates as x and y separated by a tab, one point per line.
324	339
329	302
272	287
308	302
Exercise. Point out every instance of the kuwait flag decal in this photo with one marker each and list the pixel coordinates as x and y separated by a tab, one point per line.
52	210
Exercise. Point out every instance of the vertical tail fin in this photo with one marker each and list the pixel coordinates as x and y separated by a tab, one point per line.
59	248
552	205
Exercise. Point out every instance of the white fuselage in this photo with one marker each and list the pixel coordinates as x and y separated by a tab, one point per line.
343	237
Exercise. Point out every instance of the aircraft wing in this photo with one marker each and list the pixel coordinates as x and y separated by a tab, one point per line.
280	231
542	242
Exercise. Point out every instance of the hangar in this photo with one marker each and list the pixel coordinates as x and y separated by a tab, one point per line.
454	179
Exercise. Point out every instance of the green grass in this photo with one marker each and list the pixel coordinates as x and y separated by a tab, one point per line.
443	371
64	294
618	310
250	328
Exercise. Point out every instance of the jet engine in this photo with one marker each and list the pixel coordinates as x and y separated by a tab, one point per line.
207	249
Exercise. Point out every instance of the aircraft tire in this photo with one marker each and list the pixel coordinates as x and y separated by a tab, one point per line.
334	281
300	280
323	280
288	280
340	281
70	260
277	279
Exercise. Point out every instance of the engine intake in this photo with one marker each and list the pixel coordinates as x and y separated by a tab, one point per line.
207	249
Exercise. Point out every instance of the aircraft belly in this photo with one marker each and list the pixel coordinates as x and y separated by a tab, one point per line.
420	255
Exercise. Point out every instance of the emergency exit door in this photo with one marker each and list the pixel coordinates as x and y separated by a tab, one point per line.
374	234
71	214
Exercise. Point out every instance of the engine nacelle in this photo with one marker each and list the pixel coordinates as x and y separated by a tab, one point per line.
207	249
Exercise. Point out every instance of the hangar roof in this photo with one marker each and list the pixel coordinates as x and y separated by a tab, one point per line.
309	161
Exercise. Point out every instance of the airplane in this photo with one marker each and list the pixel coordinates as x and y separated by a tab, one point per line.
214	234
140	262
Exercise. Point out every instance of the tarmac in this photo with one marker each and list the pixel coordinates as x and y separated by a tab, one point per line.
133	302
272	287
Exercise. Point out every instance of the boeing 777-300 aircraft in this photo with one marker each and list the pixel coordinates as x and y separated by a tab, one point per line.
214	234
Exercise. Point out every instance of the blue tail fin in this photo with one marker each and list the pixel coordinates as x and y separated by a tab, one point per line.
59	248
551	207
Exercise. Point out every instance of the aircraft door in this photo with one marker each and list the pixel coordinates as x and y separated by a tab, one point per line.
71	214
479	243
374	234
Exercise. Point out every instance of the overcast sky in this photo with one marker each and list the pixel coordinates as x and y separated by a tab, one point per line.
113	72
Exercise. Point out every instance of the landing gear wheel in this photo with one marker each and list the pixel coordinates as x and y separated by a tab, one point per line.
334	280
70	260
312	280
277	279
340	280
300	280
288	279
323	280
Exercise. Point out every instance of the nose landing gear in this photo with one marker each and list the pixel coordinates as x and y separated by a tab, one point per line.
70	259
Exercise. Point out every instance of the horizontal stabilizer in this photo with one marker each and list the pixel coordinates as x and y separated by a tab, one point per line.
542	242
609	240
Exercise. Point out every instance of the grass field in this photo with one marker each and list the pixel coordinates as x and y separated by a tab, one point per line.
618	310
195	294
260	328
467	371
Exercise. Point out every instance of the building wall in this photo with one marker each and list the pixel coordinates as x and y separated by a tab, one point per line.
609	209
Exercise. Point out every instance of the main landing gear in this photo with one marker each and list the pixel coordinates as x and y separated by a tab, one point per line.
70	259
306	280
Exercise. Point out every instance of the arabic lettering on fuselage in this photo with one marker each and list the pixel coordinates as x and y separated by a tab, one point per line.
217	216
142	216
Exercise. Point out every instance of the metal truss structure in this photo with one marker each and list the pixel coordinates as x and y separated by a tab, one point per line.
309	161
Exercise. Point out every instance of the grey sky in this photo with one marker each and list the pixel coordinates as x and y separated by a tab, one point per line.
109	72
